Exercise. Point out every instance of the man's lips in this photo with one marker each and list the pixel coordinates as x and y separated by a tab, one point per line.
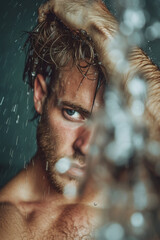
77	170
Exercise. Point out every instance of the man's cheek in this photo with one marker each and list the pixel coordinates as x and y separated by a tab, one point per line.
66	134
65	127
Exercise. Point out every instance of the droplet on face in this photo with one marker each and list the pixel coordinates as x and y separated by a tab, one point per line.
70	190
63	165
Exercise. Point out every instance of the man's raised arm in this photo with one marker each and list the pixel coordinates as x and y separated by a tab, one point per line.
94	17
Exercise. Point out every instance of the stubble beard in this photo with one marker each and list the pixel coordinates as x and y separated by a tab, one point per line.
48	142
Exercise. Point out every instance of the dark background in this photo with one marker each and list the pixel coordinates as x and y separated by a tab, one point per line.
17	133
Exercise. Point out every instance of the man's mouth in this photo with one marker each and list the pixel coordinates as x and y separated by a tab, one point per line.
77	170
72	167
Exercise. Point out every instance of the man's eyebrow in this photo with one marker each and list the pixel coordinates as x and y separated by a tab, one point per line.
76	107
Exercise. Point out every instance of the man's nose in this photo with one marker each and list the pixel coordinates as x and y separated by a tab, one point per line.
83	141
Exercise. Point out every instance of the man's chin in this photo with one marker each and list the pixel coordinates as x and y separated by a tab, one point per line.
74	176
61	181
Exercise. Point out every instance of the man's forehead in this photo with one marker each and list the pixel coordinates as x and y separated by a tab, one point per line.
78	86
80	89
81	71
75	80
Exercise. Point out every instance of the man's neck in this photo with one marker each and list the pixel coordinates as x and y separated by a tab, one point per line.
41	186
32	186
38	181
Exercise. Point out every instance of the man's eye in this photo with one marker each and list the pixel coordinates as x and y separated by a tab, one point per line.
73	115
70	112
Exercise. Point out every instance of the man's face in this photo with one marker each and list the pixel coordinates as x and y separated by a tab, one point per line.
62	131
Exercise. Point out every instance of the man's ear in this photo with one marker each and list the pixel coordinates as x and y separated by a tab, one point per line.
40	93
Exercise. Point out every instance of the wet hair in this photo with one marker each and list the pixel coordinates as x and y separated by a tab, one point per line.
51	46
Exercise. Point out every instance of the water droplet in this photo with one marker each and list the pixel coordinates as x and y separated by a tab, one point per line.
17	138
137	108
14	108
1	102
140	196
137	219
137	87
70	190
63	165
17	120
33	74
114	232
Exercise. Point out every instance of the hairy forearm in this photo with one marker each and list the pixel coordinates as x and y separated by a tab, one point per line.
98	22
142	65
103	29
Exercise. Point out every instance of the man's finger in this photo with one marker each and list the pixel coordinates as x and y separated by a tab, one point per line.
43	11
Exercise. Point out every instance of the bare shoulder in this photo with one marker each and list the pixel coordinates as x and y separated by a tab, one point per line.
11	222
12	219
19	189
10	191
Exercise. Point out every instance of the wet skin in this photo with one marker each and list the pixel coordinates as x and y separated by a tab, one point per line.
66	118
31	206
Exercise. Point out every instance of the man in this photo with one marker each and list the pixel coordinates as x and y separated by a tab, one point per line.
63	68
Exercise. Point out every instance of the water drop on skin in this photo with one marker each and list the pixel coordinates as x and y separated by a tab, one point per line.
63	165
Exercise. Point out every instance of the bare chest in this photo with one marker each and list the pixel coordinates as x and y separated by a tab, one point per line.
73	222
